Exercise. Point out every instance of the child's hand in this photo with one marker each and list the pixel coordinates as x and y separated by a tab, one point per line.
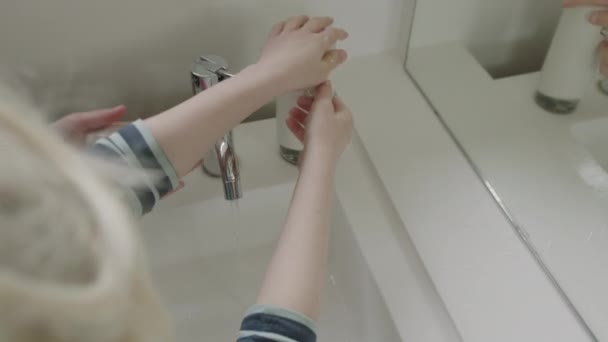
300	52
323	123
75	127
599	18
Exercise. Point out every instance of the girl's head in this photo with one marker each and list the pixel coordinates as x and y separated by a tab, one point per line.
71	267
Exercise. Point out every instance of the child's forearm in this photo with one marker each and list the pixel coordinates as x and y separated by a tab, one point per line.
188	131
297	272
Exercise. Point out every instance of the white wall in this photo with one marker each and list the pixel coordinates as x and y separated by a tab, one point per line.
507	36
85	54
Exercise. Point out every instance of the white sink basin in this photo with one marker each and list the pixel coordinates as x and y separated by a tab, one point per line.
593	135
208	258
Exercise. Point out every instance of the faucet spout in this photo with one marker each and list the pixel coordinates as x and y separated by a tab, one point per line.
208	71
229	169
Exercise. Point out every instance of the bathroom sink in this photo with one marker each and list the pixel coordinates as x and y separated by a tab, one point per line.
208	256
593	135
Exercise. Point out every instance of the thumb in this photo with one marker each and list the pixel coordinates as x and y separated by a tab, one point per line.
323	99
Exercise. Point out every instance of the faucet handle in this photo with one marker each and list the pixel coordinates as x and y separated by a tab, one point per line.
207	71
214	63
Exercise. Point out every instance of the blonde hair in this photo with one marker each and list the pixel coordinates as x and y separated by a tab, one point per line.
71	263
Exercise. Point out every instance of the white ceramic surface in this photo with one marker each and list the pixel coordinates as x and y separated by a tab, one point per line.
571	62
593	135
208	258
547	168
208	261
491	286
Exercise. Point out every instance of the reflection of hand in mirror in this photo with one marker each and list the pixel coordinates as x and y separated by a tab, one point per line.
599	18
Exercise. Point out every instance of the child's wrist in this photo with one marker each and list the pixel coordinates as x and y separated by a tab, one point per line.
269	78
322	157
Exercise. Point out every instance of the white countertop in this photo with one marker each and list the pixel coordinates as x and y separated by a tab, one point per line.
550	182
489	283
446	262
533	160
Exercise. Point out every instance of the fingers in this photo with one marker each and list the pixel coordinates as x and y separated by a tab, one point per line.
332	35
599	18
295	23
343	112
339	105
575	3
323	98
296	122
98	119
299	115
305	102
296	128
334	58
277	29
318	24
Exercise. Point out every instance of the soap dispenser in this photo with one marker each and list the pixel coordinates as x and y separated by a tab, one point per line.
571	62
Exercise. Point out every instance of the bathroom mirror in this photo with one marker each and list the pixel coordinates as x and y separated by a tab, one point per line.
478	64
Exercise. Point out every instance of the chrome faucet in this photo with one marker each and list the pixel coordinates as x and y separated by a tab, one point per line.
206	72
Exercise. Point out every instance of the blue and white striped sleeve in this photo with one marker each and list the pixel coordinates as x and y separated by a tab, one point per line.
263	323
135	146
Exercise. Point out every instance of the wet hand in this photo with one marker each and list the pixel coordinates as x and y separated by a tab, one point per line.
300	52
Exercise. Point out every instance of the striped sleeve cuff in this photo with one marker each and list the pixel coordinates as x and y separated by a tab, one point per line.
158	153
135	146
265	323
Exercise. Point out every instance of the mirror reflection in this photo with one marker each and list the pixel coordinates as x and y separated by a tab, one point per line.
521	88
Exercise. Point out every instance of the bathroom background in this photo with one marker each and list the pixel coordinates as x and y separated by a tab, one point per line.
478	63
77	55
